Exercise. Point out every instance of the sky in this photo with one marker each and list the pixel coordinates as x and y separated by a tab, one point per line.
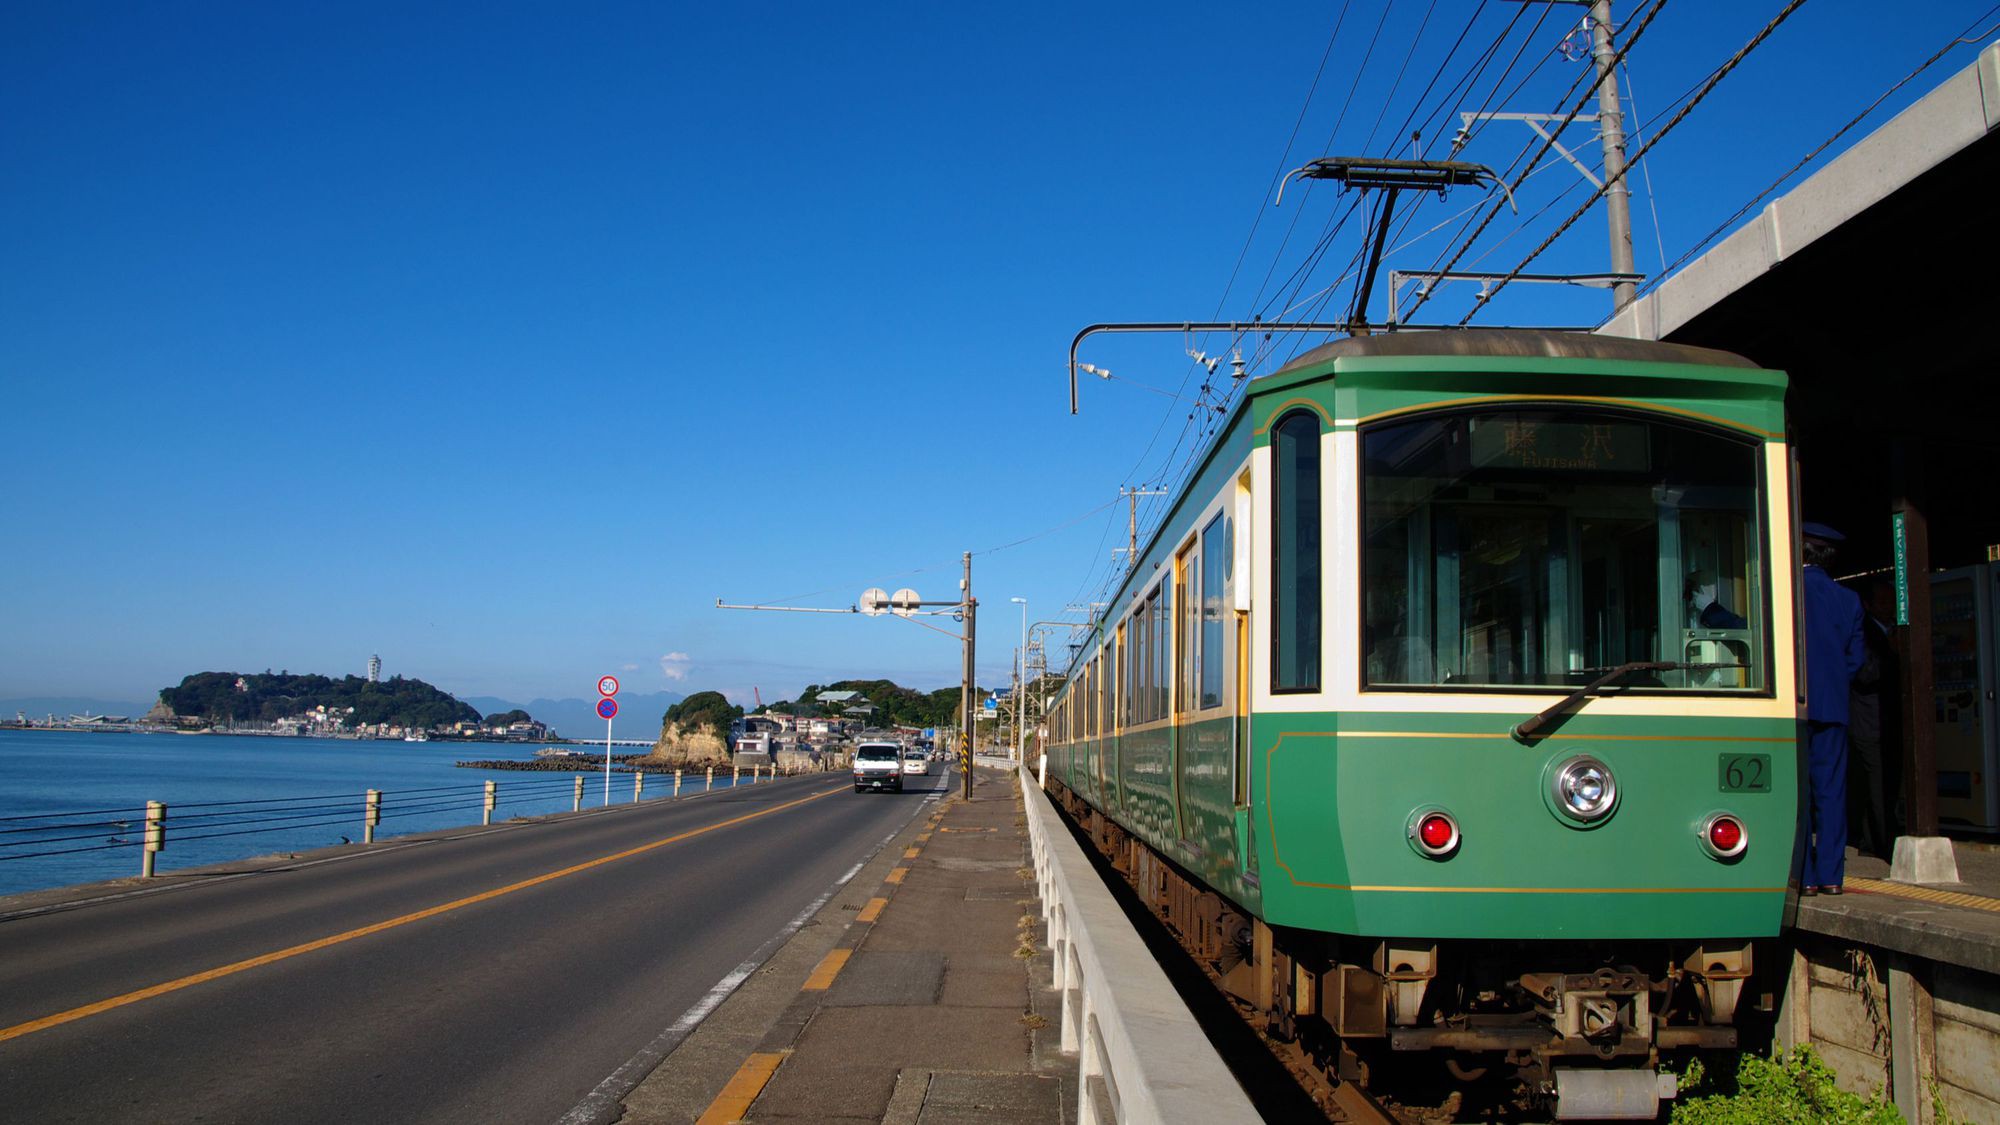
502	340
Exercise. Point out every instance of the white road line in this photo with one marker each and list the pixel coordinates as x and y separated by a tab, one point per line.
601	1104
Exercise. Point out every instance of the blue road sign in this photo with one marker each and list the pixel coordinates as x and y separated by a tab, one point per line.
606	708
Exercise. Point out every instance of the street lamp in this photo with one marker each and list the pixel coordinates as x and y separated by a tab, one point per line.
1020	680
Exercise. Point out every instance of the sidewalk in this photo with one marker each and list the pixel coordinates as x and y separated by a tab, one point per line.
908	998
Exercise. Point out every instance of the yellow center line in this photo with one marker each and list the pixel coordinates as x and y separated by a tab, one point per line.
734	1100
912	853
871	911
234	967
896	876
829	968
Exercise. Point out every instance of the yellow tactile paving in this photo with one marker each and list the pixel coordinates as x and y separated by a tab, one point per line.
734	1100
829	968
896	876
1922	894
871	911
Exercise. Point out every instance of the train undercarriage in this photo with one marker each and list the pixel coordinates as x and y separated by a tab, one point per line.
1527	1029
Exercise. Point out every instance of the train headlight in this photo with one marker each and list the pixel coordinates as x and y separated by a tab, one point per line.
1723	835
1433	832
1583	789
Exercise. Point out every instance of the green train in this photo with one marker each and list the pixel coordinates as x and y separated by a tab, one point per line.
1452	713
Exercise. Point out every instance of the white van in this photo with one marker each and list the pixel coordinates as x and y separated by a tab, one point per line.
878	765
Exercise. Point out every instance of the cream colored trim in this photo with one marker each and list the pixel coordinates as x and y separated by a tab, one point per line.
1523	705
1784	579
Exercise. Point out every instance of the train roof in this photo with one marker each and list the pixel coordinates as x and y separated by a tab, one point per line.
1516	343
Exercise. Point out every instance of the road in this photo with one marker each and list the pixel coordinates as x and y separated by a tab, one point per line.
490	976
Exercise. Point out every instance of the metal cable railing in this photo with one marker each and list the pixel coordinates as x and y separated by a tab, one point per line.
44	835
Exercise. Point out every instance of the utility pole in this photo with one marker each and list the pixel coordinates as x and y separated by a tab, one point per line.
1611	132
1132	522
970	607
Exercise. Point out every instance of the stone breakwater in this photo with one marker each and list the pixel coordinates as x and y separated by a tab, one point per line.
554	763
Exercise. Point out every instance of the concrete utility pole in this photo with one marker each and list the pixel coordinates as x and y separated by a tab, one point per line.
1611	131
970	607
1132	522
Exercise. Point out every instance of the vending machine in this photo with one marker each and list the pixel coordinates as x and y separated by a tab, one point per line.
1964	631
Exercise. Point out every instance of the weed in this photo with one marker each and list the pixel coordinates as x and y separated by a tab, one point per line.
1789	1087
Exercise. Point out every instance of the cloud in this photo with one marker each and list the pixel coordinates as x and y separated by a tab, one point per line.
676	665
628	667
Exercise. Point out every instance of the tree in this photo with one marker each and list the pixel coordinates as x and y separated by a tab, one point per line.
704	708
506	717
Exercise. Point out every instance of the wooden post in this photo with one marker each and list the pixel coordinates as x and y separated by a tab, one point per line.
371	815
1914	648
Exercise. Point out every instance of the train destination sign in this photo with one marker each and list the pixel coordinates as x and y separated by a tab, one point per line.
607	708
1531	442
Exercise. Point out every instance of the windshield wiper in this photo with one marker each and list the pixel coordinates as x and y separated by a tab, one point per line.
1527	730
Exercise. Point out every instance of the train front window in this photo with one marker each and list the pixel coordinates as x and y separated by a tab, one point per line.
1540	548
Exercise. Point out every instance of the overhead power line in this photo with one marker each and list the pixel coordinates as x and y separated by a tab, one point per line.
1613	179
1602	75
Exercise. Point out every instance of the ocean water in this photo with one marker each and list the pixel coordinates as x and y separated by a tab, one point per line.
73	805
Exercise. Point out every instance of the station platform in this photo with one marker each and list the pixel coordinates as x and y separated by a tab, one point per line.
919	993
1958	923
1898	986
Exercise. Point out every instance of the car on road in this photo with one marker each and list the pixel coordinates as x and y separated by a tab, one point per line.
916	762
878	765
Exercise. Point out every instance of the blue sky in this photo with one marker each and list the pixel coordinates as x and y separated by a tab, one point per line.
503	339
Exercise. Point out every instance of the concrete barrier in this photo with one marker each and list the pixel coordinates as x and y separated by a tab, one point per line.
1141	1057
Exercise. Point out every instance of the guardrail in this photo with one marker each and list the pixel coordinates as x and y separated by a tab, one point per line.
1141	1056
41	835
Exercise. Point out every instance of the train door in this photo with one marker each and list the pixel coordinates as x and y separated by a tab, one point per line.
1236	600
1181	692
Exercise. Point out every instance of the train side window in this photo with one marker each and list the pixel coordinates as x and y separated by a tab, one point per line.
1125	663
1295	553
1214	570
1187	655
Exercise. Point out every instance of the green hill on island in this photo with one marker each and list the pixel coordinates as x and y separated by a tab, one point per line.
269	697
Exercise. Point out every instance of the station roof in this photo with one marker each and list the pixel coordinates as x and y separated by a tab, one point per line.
1868	284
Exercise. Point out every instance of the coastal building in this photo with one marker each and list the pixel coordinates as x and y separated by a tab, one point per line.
375	669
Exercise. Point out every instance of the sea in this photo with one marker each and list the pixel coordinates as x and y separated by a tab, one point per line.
73	804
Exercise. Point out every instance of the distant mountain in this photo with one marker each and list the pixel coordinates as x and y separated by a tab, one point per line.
63	706
638	714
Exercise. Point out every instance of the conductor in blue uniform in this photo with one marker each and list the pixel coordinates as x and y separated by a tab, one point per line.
1835	650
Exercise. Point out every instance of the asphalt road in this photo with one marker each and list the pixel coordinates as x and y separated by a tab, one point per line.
489	976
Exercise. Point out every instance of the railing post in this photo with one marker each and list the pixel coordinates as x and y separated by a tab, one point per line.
638	784
577	804
156	837
371	815
710	783
492	798
735	775
677	783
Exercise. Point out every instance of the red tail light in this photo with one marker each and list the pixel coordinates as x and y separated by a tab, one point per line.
1433	833
1723	836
